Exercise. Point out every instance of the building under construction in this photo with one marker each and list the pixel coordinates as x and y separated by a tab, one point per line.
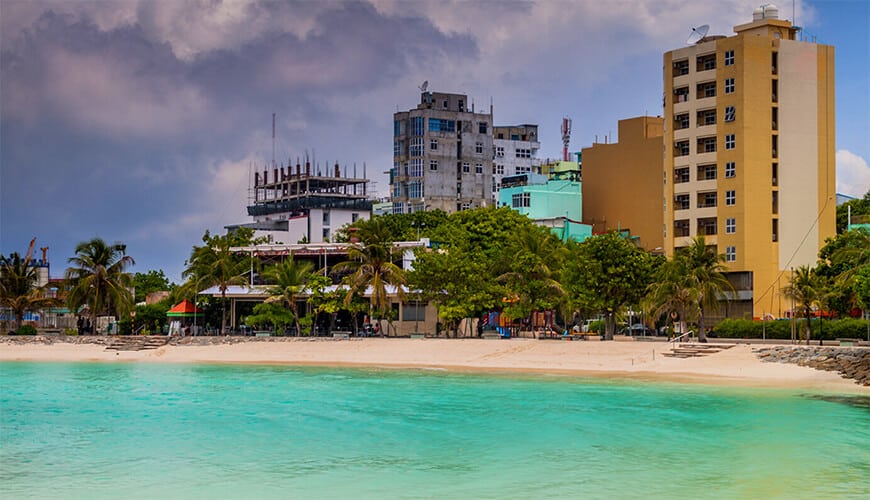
292	205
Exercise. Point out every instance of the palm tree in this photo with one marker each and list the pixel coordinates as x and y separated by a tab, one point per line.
213	264
370	264
673	293
706	272
19	288
804	289
290	278
98	278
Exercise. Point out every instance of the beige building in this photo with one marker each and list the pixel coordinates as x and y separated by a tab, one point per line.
622	187
749	154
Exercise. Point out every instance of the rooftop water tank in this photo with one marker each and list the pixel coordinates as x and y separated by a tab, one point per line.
771	11
758	14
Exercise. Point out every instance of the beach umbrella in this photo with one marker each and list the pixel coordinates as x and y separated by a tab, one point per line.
184	309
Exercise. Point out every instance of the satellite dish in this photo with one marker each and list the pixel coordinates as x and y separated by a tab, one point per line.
698	34
424	86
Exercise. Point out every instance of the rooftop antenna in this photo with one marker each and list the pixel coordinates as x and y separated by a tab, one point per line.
273	140
698	34
566	137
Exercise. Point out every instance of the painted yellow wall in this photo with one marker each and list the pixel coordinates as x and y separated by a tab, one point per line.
622	182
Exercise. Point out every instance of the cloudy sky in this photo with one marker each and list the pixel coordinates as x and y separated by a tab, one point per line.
139	121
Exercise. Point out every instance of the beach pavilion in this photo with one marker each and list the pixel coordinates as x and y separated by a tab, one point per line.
184	313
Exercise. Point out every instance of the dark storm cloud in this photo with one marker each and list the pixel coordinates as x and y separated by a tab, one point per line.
108	131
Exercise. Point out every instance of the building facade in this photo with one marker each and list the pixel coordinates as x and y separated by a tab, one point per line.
515	152
749	154
442	156
554	201
622	182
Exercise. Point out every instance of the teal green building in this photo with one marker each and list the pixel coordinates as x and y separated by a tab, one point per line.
553	201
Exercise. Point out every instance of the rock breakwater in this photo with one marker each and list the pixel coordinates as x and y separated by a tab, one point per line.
850	362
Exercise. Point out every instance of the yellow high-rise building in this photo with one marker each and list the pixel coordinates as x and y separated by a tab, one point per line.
749	155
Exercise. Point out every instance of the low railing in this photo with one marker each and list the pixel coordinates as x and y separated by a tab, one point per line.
680	338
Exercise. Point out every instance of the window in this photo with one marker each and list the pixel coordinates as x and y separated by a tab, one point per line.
465	206
682	148
707	226
706	62
729	113
730	169
524	153
520	200
681	121
499	152
681	175
416	167
397	128
729	57
499	169
439	125
478	168
478	148
682	94
730	254
681	228
730	225
730	142
354	217
707	172
706	117
414	311
681	68
730	198
397	191
729	85
706	89
326	217
398	207
433	164
416	148
706	144
415	189
466	167
523	170
433	145
482	127
681	202
707	200
326	234
416	125
397	148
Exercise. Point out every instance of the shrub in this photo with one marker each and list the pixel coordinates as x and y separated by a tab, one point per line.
781	329
26	330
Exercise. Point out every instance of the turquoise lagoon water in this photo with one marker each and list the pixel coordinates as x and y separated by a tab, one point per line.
91	430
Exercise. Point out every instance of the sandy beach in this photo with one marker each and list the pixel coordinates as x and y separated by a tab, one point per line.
737	366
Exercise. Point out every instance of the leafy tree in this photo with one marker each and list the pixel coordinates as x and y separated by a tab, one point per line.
371	265
804	289
19	290
98	278
859	207
532	280
289	279
214	264
152	281
842	257
608	272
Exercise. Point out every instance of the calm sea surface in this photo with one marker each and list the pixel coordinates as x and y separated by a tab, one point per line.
200	431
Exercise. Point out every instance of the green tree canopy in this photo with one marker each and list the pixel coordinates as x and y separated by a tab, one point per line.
152	281
98	278
19	288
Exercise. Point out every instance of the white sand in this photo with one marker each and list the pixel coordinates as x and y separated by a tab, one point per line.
644	360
